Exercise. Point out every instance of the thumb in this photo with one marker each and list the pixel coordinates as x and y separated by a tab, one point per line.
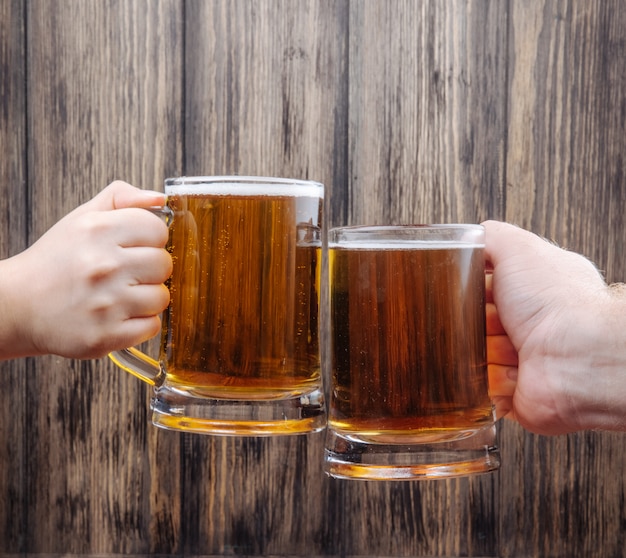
503	240
121	195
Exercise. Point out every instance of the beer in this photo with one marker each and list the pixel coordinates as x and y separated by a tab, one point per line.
243	316
408	341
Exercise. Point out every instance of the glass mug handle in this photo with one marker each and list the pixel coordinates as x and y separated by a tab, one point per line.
132	360
138	364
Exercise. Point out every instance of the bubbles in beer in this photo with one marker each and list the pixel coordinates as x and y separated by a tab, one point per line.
408	339
243	316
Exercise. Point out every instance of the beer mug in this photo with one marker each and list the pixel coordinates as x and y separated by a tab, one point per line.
239	351
409	387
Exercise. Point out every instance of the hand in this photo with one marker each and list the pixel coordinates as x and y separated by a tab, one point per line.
91	284
556	336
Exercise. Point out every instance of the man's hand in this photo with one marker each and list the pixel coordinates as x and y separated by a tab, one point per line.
556	336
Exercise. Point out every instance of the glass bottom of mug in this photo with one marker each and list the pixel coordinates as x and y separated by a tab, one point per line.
301	414
348	458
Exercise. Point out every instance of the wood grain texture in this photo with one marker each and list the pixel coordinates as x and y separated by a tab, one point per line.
566	123
13	238
427	111
565	181
266	91
104	91
265	95
409	112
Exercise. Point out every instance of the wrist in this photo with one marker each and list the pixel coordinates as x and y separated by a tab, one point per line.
598	389
16	322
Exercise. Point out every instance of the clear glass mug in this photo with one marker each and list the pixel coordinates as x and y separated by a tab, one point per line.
239	351
409	387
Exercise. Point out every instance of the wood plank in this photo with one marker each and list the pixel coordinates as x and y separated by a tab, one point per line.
407	111
427	123
565	180
266	91
427	110
104	100
13	239
265	95
563	137
259	104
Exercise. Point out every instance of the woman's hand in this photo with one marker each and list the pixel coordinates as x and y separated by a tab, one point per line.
92	283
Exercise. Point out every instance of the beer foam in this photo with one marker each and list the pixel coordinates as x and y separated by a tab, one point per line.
404	245
245	186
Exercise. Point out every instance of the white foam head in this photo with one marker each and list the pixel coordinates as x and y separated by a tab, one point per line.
242	186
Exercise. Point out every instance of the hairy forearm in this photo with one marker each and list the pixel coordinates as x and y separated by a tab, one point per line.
558	346
601	393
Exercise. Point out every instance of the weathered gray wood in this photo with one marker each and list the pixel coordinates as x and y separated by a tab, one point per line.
409	112
104	97
427	111
13	238
265	95
565	180
266	91
426	135
261	102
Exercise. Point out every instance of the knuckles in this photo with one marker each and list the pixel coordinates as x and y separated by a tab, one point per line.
107	330
131	226
97	269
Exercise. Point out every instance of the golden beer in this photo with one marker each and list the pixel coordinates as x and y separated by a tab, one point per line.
409	392
239	352
408	337
243	316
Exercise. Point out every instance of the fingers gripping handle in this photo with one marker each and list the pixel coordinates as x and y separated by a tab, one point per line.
132	360
164	213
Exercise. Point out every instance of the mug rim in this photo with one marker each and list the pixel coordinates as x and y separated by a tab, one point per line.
219	184
410	226
408	235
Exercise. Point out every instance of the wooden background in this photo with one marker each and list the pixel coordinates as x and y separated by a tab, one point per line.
408	111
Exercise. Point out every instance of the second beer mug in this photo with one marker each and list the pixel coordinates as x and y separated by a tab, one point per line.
239	350
409	372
